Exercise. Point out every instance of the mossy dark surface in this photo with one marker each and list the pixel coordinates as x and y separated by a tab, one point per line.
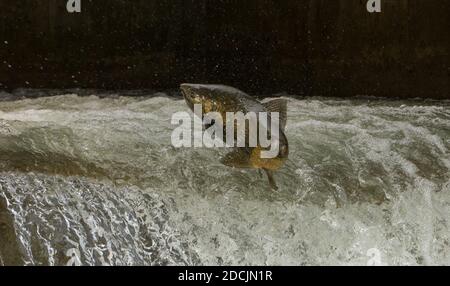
315	47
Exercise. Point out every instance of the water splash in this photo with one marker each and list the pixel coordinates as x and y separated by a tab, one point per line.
94	180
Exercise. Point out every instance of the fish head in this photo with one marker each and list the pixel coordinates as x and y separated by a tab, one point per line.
191	95
197	94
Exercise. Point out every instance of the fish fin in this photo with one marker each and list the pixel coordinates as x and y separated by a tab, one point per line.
272	182
260	173
278	105
238	158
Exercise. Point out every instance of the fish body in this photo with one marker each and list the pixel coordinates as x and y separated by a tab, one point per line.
225	99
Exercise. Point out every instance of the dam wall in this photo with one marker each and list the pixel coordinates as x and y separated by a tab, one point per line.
306	47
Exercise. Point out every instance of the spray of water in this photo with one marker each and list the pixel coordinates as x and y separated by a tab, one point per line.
95	180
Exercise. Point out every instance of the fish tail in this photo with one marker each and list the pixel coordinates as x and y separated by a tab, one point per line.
272	182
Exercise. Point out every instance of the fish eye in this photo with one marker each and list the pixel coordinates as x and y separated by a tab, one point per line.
195	97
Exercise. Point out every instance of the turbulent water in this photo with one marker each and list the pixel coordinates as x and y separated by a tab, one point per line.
94	180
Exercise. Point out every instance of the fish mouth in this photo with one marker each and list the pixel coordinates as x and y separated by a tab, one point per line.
187	94
182	88
186	90
184	94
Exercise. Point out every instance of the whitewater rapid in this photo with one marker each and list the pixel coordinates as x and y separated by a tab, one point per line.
94	180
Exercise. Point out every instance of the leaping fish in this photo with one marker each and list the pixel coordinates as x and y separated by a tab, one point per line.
224	99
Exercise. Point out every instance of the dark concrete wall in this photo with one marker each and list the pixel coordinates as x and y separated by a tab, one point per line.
320	47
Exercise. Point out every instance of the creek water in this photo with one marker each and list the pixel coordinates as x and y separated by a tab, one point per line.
95	180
